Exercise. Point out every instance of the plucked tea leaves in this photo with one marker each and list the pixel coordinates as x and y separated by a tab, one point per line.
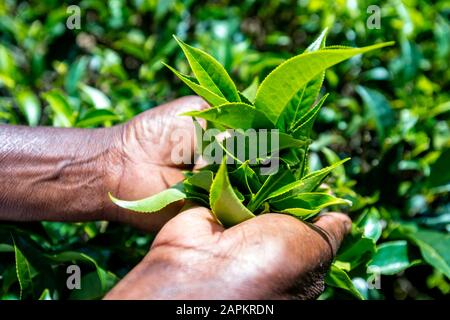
153	203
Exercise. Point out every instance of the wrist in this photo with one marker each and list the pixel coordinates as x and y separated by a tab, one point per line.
111	166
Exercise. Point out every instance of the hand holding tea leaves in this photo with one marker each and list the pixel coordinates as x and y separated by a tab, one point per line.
285	103
272	256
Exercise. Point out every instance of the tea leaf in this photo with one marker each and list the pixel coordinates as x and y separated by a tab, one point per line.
273	182
210	73
250	91
60	106
287	79
356	249
338	278
212	98
103	277
306	96
255	146
45	295
304	125
308	183
440	175
246	178
30	106
96	97
96	117
24	272
153	203
244	99
370	224
230	116
202	179
390	258
434	246
224	202
306	204
319	43
195	194
378	108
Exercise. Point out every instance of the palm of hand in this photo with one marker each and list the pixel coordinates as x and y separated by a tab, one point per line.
270	256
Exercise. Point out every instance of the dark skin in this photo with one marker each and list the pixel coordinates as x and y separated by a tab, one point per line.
64	175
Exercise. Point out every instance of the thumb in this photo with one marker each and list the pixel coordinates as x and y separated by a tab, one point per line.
195	226
333	227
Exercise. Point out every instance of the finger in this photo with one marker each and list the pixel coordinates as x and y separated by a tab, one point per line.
193	227
333	227
181	128
198	217
180	105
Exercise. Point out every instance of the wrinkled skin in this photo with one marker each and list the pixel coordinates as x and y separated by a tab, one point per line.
140	163
65	174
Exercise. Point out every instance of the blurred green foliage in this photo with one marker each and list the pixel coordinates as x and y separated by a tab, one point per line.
388	110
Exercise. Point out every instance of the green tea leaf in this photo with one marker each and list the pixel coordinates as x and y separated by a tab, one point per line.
244	99
390	258
254	146
210	73
273	182
30	106
287	79
319	43
440	175
153	203
356	249
303	127
92	287
224	202
210	97
338	278
306	96
246	178
96	117
370	223
105	279
308	183
202	179
379	109
434	248
6	248
76	73
230	116
45	295
306	204
60	106
24	272
250	91
97	98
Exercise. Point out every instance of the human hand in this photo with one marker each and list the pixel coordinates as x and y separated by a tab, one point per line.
271	256
139	163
